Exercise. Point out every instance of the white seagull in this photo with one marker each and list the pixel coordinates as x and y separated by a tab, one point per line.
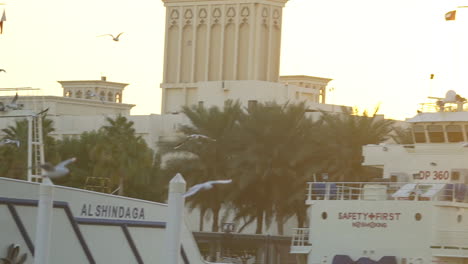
95	95
193	137
57	171
10	141
42	112
204	186
116	38
13	105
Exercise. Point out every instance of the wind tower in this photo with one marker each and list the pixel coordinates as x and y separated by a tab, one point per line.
219	49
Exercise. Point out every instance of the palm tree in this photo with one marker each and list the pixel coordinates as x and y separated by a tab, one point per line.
269	165
120	153
212	155
192	170
13	162
81	148
402	135
346	133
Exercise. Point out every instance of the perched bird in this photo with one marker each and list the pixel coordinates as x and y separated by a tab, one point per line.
10	141
204	186
95	95
193	137
116	38
57	171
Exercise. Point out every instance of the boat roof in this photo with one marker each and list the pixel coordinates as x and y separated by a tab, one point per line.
439	117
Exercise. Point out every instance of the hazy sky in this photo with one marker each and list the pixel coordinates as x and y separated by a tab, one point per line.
376	51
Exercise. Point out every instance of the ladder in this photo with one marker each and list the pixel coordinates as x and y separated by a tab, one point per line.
35	148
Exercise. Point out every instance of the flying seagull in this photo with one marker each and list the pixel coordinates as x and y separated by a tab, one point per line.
193	137
13	105
57	171
10	141
2	70
204	186
113	38
42	112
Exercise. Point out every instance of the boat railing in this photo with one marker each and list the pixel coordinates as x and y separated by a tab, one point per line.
455	192
300	237
432	107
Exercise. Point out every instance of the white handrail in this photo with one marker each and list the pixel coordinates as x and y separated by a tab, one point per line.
453	192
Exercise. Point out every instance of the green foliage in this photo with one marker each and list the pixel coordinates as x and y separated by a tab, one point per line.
13	162
210	158
114	151
402	135
270	152
346	134
269	167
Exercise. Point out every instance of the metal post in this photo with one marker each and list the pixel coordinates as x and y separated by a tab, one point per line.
44	222
30	164
174	218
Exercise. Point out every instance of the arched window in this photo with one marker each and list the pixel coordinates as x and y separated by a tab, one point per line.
88	94
68	94
118	99
102	96
110	97
79	94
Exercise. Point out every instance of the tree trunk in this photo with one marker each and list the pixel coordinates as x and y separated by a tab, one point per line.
215	226
202	219
280	225
301	218
259	221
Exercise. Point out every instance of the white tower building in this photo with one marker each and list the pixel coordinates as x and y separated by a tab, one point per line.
222	49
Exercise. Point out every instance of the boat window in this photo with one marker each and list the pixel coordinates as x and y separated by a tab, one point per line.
418	216
324	215
419	136
454	133
436	133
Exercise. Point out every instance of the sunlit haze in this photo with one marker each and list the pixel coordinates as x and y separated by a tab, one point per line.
376	52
